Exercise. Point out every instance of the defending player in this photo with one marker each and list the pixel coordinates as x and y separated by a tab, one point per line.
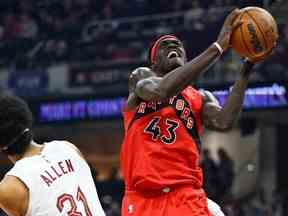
163	120
46	180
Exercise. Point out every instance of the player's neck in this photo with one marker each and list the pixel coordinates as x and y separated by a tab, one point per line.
159	73
32	150
157	70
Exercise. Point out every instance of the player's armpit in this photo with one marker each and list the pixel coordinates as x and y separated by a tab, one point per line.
211	117
212	113
14	196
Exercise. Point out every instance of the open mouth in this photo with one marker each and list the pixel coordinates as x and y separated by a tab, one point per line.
173	54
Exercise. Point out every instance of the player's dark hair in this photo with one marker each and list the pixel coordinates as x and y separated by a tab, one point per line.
15	125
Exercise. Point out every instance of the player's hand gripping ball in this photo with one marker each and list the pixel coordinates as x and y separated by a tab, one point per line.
257	36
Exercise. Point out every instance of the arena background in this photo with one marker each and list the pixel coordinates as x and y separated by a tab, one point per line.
70	60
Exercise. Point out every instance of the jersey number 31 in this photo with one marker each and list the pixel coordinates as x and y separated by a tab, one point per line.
68	198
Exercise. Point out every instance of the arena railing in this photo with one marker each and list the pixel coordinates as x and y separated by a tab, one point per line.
158	19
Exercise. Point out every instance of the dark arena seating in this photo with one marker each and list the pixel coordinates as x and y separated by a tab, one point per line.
102	36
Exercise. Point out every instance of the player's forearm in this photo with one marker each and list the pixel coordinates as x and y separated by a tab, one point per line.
181	77
233	105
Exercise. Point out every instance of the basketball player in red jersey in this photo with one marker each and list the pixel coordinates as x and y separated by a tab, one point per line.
163	119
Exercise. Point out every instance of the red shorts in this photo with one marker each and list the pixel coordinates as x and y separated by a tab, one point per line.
184	201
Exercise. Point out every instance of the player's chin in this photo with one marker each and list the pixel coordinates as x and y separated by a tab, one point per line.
174	63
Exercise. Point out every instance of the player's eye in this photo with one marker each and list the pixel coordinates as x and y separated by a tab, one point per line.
176	42
164	43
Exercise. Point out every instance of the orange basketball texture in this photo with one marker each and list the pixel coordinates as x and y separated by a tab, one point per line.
257	35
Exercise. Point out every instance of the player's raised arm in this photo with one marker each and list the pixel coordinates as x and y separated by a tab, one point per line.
222	118
169	51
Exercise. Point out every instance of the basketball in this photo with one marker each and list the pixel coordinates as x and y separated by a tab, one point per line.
257	35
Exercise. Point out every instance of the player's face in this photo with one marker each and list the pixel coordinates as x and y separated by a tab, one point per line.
171	54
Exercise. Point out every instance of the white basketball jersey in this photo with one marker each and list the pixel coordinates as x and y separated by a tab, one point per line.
59	182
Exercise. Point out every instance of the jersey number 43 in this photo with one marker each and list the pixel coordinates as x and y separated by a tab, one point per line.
154	130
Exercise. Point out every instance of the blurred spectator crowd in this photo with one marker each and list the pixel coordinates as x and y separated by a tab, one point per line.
218	177
218	181
115	34
32	18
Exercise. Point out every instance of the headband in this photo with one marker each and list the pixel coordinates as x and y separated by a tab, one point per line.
15	139
156	45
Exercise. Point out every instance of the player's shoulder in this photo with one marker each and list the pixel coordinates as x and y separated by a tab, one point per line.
208	96
14	194
192	89
10	184
192	92
68	145
73	147
4	189
58	143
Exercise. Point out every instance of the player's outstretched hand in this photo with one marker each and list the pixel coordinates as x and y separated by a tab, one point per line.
228	27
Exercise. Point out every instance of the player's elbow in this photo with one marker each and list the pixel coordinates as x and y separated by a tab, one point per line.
225	126
220	125
225	122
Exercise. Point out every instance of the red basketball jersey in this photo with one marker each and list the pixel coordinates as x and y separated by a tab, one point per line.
161	143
